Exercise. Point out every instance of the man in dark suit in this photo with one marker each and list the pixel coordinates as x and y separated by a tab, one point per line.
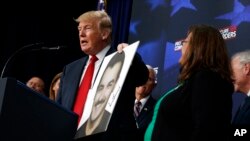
241	74
147	102
95	28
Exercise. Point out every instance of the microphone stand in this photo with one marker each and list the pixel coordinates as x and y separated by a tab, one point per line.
14	54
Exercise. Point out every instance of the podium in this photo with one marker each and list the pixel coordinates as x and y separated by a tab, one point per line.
29	116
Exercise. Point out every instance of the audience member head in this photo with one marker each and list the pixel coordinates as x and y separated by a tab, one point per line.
36	83
95	28
204	48
54	86
146	89
241	71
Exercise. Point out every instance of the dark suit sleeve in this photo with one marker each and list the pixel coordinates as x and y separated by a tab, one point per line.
211	106
139	71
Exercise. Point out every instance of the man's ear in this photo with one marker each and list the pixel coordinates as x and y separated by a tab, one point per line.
105	34
247	68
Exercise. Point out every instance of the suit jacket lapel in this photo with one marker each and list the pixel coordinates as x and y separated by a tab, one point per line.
246	105
242	110
147	107
75	84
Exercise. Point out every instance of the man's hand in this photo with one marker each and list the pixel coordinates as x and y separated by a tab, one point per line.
121	46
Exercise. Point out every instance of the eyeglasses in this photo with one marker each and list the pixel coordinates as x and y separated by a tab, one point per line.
151	79
184	42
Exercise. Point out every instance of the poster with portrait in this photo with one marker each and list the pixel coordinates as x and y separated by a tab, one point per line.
103	95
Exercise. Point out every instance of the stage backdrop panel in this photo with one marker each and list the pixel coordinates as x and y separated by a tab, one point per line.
160	25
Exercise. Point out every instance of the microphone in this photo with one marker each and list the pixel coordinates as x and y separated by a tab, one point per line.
49	48
22	49
53	48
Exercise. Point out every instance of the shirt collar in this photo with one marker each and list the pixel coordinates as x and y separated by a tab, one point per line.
143	100
102	53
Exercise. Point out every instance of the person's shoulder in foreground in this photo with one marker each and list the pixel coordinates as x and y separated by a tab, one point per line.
203	98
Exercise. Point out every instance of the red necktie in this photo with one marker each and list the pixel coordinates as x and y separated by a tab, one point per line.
84	88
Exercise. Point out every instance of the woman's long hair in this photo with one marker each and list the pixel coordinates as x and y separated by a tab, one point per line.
206	50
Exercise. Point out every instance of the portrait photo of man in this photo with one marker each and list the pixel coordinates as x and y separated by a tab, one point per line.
98	120
105	92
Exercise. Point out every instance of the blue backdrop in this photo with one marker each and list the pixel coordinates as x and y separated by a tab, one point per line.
160	25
